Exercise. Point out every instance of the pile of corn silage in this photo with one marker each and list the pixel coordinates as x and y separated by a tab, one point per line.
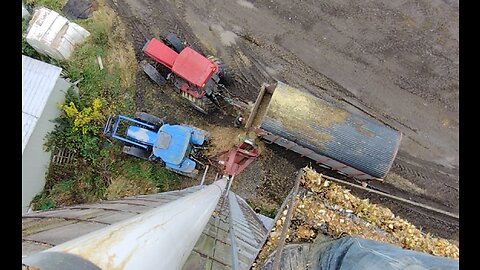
326	207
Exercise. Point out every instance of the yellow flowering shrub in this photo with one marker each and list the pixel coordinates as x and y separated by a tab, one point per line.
83	119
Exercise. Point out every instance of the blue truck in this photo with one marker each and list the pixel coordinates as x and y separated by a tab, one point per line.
148	137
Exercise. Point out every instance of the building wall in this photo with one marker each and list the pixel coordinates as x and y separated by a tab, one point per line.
24	11
35	160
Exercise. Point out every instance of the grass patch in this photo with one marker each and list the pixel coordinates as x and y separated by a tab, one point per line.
134	176
158	176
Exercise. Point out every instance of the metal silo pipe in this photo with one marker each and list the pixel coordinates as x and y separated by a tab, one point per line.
158	239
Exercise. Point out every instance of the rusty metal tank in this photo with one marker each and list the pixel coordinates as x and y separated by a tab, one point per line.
352	144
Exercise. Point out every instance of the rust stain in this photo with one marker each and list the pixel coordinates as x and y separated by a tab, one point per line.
91	252
122	264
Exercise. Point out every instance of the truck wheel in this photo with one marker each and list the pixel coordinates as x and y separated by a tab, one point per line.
173	41
152	73
135	151
149	119
224	72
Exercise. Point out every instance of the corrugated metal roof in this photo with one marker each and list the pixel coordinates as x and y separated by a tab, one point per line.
38	80
43	229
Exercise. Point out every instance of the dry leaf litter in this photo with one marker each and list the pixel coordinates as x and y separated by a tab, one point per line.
331	209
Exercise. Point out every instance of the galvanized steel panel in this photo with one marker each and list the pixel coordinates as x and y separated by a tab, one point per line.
31	247
348	138
214	244
38	81
267	222
112	217
34	226
62	234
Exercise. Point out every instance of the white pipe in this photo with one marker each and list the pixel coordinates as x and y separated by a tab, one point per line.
158	239
204	175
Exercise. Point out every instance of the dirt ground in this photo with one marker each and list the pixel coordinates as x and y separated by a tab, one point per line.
395	61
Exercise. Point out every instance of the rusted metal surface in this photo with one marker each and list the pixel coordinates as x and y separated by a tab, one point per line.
240	157
349	143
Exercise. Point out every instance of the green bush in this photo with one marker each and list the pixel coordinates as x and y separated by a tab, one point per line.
78	130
